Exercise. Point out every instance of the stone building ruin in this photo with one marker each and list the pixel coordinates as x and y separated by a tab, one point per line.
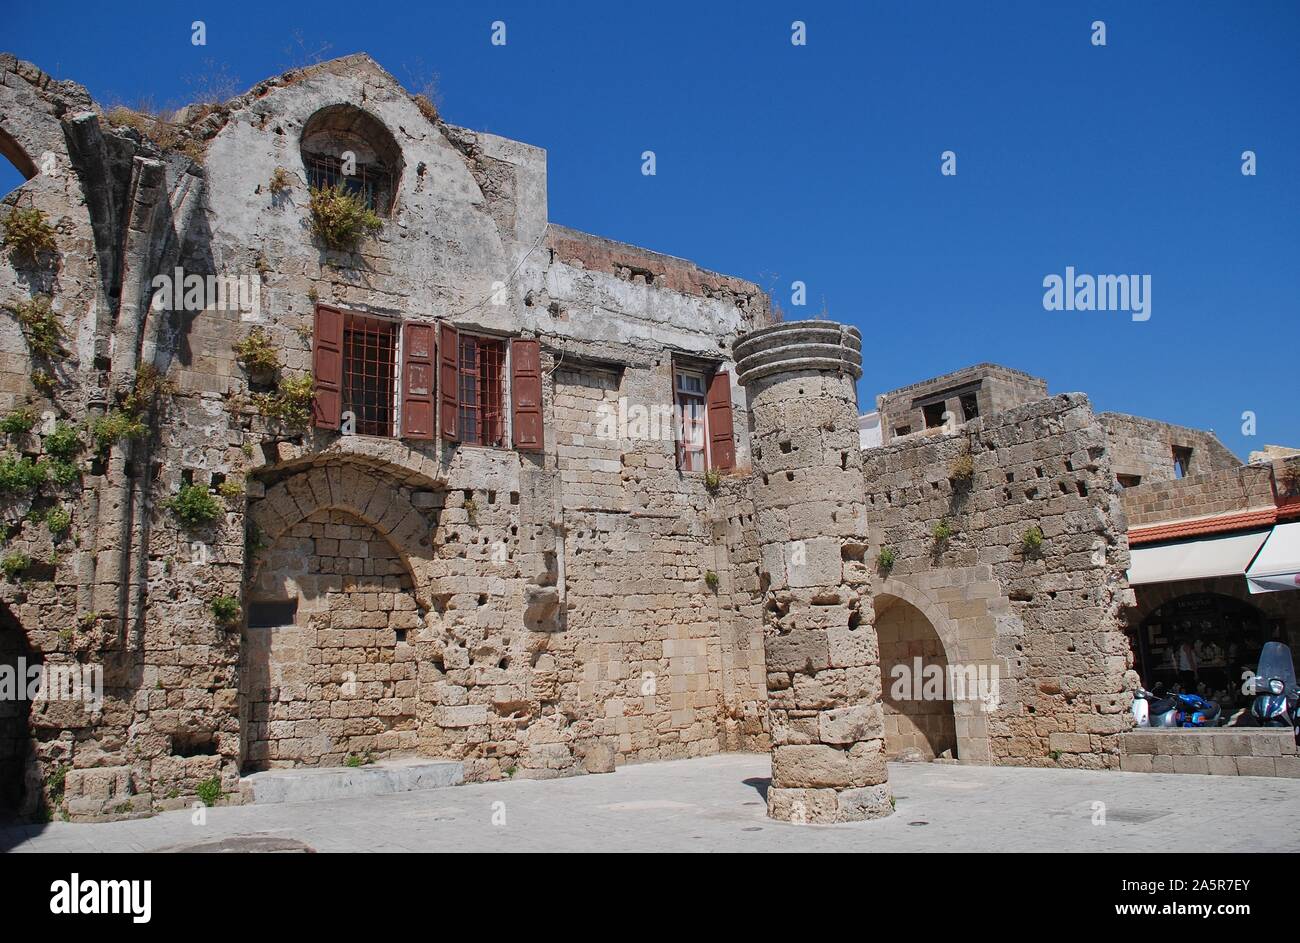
480	487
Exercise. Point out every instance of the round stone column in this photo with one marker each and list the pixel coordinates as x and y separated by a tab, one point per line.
822	657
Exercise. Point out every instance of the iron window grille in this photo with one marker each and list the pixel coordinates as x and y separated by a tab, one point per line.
480	394
369	367
372	183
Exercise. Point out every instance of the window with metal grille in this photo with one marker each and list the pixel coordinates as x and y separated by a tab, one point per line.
479	397
689	394
370	182
369	364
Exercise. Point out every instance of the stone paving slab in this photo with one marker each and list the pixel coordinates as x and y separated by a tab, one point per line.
380	779
716	804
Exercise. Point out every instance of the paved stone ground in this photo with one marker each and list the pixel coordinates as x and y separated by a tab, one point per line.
716	804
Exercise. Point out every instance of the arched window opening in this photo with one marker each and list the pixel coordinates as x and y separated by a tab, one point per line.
343	145
16	167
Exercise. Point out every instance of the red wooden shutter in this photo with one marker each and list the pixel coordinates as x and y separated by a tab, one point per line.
327	367
417	381
721	439
449	381
526	394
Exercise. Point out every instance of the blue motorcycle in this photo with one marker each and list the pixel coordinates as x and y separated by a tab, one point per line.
1277	696
1175	710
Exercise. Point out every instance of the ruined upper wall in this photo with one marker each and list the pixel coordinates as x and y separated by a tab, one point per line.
1145	448
995	388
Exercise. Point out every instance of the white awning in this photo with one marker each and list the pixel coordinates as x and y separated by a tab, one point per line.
1278	565
1194	559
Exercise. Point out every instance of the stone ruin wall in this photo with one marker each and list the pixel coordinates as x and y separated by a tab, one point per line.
1050	621
515	663
1145	447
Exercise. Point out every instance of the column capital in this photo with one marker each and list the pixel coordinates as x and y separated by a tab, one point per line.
799	345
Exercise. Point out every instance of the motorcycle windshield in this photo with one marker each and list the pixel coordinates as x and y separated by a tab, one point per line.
1275	662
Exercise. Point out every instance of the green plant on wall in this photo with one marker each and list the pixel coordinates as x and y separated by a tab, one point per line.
14	564
21	475
63	442
19	422
941	532
195	505
40	325
209	791
256	352
28	236
281	182
712	480
886	558
59	521
711	580
340	218
963	468
1031	541
290	404
225	609
114	426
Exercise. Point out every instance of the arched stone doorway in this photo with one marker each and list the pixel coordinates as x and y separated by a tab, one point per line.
1202	641
17	795
330	671
919	718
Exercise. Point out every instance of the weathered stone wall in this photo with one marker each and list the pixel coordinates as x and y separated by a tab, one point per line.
1048	620
521	666
1145	447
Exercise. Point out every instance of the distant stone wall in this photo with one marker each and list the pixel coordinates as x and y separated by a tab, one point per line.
1145	448
1049	620
1244	488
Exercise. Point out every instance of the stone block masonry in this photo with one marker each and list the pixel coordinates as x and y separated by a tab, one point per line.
823	672
1007	536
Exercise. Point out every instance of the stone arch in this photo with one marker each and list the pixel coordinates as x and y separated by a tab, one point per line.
333	132
969	734
336	603
13	152
353	489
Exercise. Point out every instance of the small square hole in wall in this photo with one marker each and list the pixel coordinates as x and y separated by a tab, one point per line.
401	636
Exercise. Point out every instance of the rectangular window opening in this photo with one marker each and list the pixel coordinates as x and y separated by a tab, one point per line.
933	413
480	393
369	365
970	406
1182	461
689	392
269	615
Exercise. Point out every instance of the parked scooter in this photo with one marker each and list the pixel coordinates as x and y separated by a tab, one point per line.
1174	710
1277	697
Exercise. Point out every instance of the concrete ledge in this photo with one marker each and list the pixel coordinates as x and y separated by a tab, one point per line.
341	782
1213	751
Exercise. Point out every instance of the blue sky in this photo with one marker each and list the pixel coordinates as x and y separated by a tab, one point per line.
822	163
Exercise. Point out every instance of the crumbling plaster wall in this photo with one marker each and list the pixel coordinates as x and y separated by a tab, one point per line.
1050	621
